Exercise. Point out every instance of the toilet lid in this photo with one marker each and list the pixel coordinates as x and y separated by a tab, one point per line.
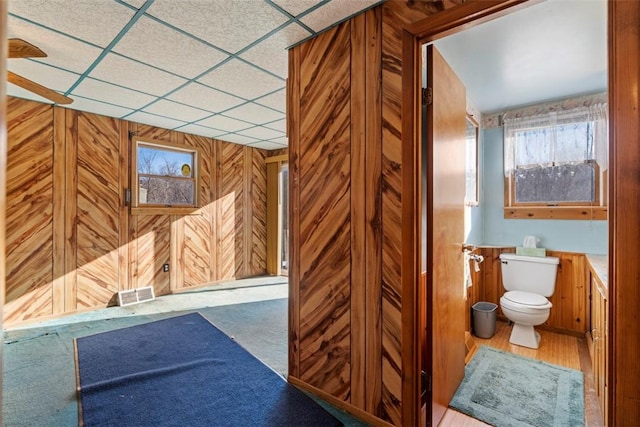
526	298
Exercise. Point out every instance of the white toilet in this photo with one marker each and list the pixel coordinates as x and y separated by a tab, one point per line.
528	281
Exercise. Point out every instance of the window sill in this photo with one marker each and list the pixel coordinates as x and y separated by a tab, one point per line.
165	211
557	212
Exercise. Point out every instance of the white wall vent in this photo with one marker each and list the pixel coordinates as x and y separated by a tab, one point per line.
135	296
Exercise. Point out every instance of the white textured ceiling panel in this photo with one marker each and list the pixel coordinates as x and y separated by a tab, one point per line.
177	111
201	130
259	114
178	53
229	24
240	139
106	92
205	98
280	125
128	73
242	79
260	132
97	21
282	140
153	120
296	7
267	145
96	107
276	100
224	123
271	53
63	51
335	11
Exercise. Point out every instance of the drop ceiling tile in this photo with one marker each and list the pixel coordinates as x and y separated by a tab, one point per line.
178	53
238	139
254	113
201	130
335	11
96	107
280	125
224	123
176	111
63	51
125	72
277	100
260	132
137	3
241	79
97	21
282	141
43	74
106	92
271	53
296	7
153	120
204	97
245	21
268	145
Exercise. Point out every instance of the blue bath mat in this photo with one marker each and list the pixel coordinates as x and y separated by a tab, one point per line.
507	390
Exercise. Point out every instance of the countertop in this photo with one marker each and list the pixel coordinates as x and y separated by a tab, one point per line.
600	266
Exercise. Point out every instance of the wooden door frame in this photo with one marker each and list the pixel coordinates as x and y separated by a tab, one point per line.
432	28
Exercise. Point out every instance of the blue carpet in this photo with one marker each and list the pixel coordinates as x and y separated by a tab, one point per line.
183	371
505	389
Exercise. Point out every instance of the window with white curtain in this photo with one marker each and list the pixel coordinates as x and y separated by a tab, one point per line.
556	158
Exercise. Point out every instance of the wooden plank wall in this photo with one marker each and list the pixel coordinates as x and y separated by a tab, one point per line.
570	298
344	123
71	242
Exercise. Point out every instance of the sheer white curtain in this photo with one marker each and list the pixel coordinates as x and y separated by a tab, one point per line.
543	137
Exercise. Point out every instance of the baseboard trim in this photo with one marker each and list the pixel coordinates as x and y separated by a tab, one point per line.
356	412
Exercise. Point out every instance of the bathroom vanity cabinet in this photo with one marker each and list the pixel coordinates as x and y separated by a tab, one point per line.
598	337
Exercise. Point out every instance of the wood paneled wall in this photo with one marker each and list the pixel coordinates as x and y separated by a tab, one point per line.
570	298
345	164
72	244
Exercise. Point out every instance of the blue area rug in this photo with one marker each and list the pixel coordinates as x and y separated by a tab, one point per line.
504	389
183	371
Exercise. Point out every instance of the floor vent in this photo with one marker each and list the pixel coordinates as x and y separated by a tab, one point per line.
135	296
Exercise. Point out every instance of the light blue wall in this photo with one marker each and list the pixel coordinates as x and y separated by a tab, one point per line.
560	235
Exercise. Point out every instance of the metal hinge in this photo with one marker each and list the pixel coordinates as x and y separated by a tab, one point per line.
426	382
427	96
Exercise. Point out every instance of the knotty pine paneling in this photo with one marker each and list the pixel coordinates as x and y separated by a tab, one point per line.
98	205
71	169
395	15
29	214
232	216
257	202
569	299
318	187
325	213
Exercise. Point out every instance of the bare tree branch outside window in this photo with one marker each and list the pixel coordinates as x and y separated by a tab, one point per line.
166	176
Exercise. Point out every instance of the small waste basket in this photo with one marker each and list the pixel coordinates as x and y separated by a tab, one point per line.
484	319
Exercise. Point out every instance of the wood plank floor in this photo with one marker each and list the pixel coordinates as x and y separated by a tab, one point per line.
563	350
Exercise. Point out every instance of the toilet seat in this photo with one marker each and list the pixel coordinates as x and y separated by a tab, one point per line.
525	302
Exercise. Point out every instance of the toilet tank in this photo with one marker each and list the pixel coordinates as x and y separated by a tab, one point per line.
529	273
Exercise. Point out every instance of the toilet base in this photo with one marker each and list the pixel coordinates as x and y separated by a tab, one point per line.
525	336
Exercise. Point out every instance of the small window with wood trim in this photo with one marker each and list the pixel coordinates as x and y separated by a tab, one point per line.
165	175
554	165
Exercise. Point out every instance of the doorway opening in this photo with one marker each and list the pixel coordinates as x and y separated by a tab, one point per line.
431	258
